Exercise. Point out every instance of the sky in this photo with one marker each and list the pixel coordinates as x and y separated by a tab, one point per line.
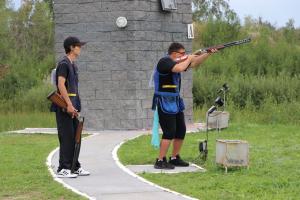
16	3
277	12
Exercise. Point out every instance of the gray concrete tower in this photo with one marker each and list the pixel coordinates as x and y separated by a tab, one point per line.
116	64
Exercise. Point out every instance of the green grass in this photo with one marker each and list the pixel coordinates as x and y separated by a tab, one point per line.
23	172
273	174
274	164
15	121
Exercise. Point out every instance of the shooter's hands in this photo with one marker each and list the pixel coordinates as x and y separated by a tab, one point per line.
72	111
199	59
211	51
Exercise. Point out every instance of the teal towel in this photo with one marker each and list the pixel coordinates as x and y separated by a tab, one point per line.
155	132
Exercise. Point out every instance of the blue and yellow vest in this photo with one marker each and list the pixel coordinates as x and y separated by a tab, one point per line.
167	95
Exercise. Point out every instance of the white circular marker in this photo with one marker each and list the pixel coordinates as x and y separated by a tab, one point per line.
121	22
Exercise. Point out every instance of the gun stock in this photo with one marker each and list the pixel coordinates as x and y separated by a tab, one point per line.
57	99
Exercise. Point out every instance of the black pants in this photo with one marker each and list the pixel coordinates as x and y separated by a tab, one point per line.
172	125
66	127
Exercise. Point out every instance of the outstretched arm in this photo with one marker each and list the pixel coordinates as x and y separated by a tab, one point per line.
198	60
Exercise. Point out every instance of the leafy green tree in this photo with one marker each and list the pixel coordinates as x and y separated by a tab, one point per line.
289	31
214	22
28	46
4	31
216	9
50	3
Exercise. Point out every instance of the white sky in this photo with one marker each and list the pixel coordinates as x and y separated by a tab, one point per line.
277	12
17	3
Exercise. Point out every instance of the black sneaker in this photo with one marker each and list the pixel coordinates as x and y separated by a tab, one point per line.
178	162
163	164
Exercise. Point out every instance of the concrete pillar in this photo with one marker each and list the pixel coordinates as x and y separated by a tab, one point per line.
116	64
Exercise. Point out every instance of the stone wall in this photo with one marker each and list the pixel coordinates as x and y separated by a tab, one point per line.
116	64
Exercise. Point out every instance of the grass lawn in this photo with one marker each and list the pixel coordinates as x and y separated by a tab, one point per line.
23	172
15	121
274	171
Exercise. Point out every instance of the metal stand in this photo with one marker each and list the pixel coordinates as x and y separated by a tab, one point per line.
203	150
224	94
203	145
218	123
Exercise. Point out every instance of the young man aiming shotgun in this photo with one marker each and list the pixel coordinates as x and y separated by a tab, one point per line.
168	103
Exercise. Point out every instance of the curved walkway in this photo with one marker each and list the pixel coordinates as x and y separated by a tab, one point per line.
109	179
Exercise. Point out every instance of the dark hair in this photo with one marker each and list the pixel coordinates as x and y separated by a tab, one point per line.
72	41
68	49
174	47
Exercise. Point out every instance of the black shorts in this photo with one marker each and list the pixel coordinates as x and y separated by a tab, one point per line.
172	125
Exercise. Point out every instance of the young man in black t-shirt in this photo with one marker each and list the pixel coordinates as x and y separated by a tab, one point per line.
170	106
67	85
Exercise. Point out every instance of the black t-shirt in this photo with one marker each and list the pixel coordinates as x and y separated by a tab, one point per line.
165	65
62	70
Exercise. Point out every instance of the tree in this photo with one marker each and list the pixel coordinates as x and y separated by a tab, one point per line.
50	3
289	32
216	9
26	46
5	13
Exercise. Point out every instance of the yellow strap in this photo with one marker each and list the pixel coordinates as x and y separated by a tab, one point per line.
72	95
169	86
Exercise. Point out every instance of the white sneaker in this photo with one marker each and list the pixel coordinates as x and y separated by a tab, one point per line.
66	173
81	172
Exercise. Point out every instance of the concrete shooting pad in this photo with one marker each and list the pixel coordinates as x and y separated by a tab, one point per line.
138	169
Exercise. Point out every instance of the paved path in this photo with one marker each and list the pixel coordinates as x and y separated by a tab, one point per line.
109	179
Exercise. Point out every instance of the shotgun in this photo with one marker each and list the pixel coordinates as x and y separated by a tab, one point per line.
218	47
223	46
77	142
58	100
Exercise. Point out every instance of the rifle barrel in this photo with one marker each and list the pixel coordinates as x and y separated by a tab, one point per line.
222	46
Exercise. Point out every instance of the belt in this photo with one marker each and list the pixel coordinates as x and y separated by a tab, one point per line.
169	86
72	94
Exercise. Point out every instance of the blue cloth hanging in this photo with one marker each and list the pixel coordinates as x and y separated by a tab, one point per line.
155	132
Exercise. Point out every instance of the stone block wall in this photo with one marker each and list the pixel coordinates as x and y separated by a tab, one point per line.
116	64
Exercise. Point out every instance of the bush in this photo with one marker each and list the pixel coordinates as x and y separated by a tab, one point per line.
28	45
280	89
32	100
263	75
